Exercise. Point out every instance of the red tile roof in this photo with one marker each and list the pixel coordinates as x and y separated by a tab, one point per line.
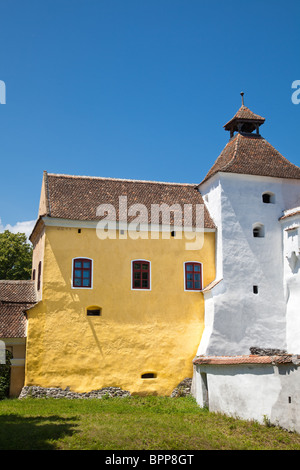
247	359
15	297
17	291
251	154
244	114
290	213
77	197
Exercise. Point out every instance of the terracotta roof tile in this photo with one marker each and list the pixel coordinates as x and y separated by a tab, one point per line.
247	359
17	291
77	197
251	154
244	114
290	213
15	297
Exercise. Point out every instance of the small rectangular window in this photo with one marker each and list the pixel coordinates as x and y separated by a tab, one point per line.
39	275
140	274
193	276
82	272
255	289
93	312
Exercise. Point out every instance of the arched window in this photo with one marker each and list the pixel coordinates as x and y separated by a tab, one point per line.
82	273
268	198
140	274
193	275
258	231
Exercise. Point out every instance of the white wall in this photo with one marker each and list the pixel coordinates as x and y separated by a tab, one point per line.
262	393
242	319
291	259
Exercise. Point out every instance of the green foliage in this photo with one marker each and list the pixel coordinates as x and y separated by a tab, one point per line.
131	423
5	376
15	256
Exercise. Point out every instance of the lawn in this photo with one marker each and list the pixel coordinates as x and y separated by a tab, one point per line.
134	423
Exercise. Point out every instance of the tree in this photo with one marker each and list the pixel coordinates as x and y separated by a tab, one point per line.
5	375
15	256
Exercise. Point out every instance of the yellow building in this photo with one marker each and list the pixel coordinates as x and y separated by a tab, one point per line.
119	268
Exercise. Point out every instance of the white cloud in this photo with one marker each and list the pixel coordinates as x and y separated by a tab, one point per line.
23	227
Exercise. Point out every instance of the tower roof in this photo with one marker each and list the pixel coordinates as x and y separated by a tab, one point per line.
244	120
249	153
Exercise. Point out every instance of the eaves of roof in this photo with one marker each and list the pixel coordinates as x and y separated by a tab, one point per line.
247	359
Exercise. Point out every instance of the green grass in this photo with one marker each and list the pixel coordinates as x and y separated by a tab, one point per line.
135	423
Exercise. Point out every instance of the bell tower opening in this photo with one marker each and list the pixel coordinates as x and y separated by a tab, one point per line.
244	121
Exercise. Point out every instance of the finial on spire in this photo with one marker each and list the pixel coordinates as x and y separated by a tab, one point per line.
242	95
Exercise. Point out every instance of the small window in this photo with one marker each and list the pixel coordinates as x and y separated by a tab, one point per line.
94	311
33	275
268	198
255	289
140	274
258	231
39	275
82	272
149	375
193	276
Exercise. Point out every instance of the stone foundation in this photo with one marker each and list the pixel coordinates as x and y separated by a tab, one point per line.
183	389
55	392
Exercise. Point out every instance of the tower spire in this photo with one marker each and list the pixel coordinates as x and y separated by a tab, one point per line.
244	121
242	95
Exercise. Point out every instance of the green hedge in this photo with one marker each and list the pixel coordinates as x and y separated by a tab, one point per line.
5	376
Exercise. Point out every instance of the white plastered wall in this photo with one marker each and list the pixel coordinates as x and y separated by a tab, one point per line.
291	260
240	318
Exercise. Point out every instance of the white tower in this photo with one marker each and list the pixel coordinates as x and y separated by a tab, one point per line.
246	192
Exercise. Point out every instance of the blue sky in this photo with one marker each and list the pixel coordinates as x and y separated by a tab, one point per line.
137	89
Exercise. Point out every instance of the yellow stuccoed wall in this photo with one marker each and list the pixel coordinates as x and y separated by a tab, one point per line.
138	331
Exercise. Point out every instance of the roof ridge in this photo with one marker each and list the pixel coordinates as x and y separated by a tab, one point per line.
16	281
120	179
